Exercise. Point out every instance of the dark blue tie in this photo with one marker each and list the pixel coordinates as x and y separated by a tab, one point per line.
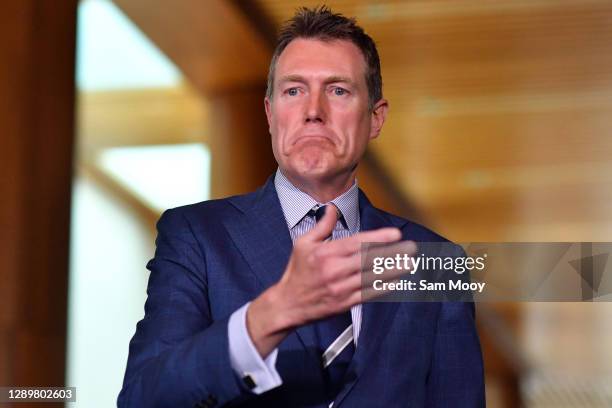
328	330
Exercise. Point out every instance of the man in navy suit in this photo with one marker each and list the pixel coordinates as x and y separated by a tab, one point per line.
256	301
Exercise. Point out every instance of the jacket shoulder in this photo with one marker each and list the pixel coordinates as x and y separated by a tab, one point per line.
216	207
412	230
205	213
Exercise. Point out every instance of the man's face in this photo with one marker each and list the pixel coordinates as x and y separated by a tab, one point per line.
318	115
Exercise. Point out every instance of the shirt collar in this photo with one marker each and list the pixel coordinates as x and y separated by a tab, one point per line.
296	203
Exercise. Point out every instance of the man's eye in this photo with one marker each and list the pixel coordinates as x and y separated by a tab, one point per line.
339	91
292	91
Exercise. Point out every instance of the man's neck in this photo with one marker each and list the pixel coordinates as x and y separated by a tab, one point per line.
322	189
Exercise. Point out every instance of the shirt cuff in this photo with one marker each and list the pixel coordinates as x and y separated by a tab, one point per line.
257	374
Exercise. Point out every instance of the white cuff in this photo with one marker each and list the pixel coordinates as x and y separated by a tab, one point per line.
245	358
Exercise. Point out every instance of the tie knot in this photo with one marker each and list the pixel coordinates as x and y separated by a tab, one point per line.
319	212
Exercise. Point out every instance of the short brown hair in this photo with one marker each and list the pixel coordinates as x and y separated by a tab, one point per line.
322	24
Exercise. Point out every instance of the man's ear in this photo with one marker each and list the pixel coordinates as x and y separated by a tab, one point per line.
268	107
379	114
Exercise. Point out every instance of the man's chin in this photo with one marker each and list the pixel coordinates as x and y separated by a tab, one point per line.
313	166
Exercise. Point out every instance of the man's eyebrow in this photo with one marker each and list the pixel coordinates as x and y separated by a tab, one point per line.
292	78
329	80
336	78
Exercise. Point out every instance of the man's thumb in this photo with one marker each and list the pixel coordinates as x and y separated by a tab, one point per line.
325	225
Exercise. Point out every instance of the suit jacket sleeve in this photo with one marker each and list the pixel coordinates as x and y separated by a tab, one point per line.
178	356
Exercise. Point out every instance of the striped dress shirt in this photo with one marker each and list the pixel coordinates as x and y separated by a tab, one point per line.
296	204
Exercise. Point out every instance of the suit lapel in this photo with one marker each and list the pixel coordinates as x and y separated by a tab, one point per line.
376	317
261	235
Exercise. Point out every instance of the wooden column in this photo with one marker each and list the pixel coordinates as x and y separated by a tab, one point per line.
241	150
37	47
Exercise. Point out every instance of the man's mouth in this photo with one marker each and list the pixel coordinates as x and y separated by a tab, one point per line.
313	138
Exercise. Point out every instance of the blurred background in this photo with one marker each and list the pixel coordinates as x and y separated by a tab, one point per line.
500	129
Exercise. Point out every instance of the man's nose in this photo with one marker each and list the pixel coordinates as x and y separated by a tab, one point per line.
316	108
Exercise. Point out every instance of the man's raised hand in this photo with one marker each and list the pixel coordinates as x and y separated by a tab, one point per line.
322	278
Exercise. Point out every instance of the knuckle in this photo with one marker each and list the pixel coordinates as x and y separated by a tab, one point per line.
334	290
311	259
319	255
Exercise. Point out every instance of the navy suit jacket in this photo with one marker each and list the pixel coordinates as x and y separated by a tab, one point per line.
213	257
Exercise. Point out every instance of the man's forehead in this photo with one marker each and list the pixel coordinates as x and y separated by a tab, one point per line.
340	58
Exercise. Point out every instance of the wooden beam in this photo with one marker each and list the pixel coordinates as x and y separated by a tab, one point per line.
211	41
147	215
140	117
